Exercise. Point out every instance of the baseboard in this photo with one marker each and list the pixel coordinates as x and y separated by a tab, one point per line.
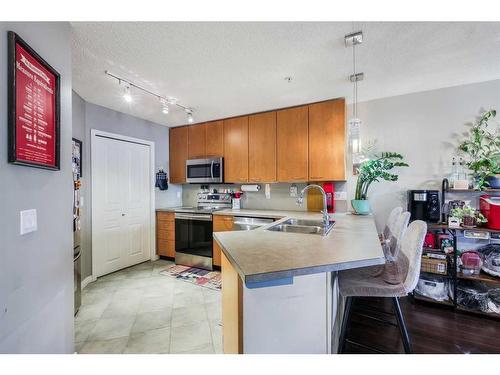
87	281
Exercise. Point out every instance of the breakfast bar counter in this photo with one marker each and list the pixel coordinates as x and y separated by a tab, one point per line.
262	255
280	291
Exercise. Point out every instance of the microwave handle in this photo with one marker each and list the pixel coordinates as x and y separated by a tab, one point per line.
212	170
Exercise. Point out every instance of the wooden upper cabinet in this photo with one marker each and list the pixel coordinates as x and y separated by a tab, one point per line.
178	154
196	141
292	144
327	141
262	147
214	139
236	149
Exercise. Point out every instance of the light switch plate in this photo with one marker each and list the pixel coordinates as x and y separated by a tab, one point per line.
28	221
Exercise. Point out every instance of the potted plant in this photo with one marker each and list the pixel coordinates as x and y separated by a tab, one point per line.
374	170
482	152
468	216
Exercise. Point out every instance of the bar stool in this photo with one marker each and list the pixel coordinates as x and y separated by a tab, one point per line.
360	283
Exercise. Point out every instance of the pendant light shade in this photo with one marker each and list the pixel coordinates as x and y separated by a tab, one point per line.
354	123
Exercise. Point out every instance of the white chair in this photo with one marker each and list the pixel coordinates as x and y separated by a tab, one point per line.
360	283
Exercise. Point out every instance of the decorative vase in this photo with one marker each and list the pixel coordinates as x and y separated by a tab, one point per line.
361	206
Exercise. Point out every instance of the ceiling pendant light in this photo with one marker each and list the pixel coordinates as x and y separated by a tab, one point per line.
126	93
354	123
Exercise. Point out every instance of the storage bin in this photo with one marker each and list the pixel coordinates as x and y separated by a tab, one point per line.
437	266
434	287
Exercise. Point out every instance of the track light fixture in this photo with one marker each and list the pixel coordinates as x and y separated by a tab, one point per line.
165	101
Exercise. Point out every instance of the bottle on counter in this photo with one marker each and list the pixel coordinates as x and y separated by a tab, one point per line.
454	172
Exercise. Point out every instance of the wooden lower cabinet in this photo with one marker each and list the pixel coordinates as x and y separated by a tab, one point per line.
232	309
220	224
165	234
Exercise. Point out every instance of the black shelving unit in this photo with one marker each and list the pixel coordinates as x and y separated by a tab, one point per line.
455	276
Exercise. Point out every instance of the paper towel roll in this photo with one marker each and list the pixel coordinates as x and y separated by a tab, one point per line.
250	187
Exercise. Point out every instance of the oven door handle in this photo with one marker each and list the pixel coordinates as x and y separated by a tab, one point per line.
202	217
212	170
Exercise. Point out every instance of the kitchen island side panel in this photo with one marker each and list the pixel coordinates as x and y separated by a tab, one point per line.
289	319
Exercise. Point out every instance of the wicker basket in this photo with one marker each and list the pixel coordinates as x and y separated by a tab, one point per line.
437	266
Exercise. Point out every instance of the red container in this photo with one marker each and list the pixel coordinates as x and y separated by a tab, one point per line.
490	208
430	240
329	189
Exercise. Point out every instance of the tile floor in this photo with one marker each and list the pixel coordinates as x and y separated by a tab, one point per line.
137	310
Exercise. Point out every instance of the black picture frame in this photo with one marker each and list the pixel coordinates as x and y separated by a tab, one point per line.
12	40
80	164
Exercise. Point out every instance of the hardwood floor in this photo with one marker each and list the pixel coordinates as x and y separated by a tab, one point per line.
433	329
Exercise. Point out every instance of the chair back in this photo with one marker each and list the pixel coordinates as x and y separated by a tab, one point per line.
391	222
398	233
411	247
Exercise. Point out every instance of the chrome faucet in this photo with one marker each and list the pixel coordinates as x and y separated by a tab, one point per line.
300	200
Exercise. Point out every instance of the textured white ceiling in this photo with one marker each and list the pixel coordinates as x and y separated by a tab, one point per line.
225	69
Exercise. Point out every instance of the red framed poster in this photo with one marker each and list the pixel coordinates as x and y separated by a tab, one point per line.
34	107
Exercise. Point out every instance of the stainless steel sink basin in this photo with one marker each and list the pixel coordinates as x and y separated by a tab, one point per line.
303	226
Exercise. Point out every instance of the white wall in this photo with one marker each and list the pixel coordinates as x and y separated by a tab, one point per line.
36	270
426	128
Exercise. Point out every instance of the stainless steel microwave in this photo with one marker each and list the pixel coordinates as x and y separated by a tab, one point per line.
201	171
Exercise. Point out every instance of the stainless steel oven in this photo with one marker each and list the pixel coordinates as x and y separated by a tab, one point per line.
193	239
205	170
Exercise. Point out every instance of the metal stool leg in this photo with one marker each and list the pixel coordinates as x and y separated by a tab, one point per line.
402	325
345	324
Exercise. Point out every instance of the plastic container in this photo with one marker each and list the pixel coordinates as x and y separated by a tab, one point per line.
433	287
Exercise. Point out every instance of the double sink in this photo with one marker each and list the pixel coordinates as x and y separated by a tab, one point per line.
293	225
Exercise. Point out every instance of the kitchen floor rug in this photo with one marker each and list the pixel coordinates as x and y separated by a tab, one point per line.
205	278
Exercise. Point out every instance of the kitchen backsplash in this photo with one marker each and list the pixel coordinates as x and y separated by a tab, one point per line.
280	196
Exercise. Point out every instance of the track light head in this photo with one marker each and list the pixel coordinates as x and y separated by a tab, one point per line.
126	93
164	106
190	118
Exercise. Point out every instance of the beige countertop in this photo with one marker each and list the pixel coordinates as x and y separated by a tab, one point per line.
261	255
167	209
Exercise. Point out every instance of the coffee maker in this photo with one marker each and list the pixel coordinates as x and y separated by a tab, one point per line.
424	205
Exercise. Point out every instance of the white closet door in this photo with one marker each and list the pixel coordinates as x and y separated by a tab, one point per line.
121	203
137	205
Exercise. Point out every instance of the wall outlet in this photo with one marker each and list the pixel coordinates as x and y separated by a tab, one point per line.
293	190
340	195
28	221
178	194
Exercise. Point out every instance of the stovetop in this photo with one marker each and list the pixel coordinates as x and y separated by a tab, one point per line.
199	210
208	203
